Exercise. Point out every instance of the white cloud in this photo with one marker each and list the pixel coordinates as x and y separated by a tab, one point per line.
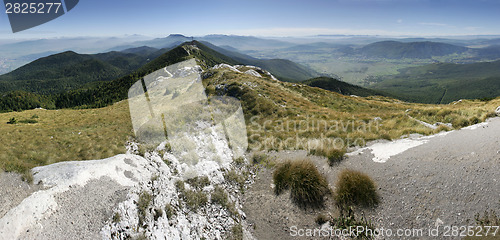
399	21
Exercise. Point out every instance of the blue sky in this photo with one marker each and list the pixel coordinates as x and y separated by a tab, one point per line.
271	18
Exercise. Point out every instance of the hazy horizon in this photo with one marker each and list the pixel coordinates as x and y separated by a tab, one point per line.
412	18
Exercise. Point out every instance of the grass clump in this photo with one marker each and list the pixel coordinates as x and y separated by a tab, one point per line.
170	211
220	196
321	219
237	232
333	155
117	218
239	161
198	182
158	213
355	188
307	186
259	158
347	220
460	122
193	198
234	177
142	205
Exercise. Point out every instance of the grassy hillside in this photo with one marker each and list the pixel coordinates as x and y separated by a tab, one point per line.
444	82
43	137
341	87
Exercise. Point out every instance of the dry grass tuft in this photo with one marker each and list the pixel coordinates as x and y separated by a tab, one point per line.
355	188
307	186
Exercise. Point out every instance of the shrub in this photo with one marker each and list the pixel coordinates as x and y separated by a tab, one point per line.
355	188
12	121
307	186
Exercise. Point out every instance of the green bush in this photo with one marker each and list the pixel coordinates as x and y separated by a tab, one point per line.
307	186
355	188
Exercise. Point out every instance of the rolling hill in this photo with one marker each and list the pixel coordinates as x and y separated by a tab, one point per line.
444	82
341	87
69	70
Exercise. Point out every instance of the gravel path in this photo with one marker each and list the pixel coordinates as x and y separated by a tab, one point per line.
81	213
450	177
13	190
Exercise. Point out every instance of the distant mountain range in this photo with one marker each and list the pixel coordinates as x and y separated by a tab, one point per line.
419	50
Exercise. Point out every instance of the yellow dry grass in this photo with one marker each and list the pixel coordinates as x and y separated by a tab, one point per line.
62	135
